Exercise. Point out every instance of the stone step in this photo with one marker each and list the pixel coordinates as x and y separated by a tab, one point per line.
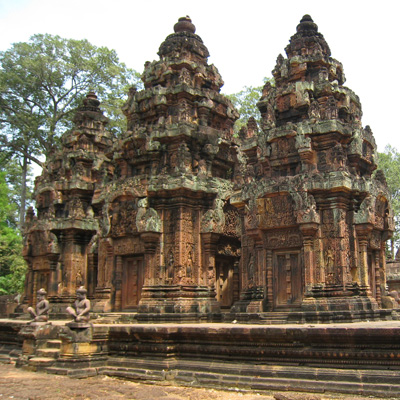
39	363
48	353
273	383
53	344
115	317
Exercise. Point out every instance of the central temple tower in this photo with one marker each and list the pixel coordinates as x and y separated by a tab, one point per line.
167	206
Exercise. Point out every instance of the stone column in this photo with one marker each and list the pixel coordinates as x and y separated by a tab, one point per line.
209	241
363	231
151	241
35	288
261	268
309	230
118	282
270	287
378	279
53	276
68	252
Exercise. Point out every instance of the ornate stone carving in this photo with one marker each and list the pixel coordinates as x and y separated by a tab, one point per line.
173	204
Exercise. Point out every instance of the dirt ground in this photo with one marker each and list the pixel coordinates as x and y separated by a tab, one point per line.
19	384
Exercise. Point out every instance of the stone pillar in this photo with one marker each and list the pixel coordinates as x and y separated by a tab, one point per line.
378	279
363	231
53	276
209	241
309	230
35	288
270	287
118	282
260	270
69	251
382	259
151	241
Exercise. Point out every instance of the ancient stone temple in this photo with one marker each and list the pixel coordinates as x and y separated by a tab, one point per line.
179	219
145	224
315	217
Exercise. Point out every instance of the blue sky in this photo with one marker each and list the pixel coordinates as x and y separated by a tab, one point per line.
244	39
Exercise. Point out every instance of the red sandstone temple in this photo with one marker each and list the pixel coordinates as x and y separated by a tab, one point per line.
181	219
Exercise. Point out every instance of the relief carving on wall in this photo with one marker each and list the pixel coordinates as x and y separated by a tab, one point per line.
281	238
126	246
275	212
305	207
147	218
366	212
228	249
214	220
232	223
123	217
375	240
380	212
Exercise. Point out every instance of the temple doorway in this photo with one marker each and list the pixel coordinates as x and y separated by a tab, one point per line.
288	279
132	282
225	281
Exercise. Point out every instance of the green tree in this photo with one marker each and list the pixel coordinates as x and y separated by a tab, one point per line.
41	84
13	176
389	162
12	265
245	102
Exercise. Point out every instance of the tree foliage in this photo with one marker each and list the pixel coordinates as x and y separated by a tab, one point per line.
246	101
13	178
44	80
389	162
12	265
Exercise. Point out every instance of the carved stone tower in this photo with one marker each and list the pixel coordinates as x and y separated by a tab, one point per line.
316	218
169	242
58	240
177	219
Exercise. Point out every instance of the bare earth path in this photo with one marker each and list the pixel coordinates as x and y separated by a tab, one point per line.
19	384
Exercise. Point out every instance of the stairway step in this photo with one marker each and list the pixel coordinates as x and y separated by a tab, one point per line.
48	353
53	344
39	363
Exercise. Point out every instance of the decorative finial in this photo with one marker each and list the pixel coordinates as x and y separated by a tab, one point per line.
91	95
184	24
91	100
307	24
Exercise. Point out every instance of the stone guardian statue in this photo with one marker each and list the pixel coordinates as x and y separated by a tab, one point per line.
81	308
41	313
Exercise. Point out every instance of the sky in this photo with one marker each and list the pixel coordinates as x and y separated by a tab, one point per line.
244	39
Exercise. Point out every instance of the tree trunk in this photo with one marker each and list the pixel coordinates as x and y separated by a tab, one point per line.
24	167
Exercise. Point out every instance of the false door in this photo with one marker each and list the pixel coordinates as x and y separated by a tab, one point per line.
288	279
132	282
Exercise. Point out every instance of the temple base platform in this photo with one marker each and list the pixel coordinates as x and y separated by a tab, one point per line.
353	358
